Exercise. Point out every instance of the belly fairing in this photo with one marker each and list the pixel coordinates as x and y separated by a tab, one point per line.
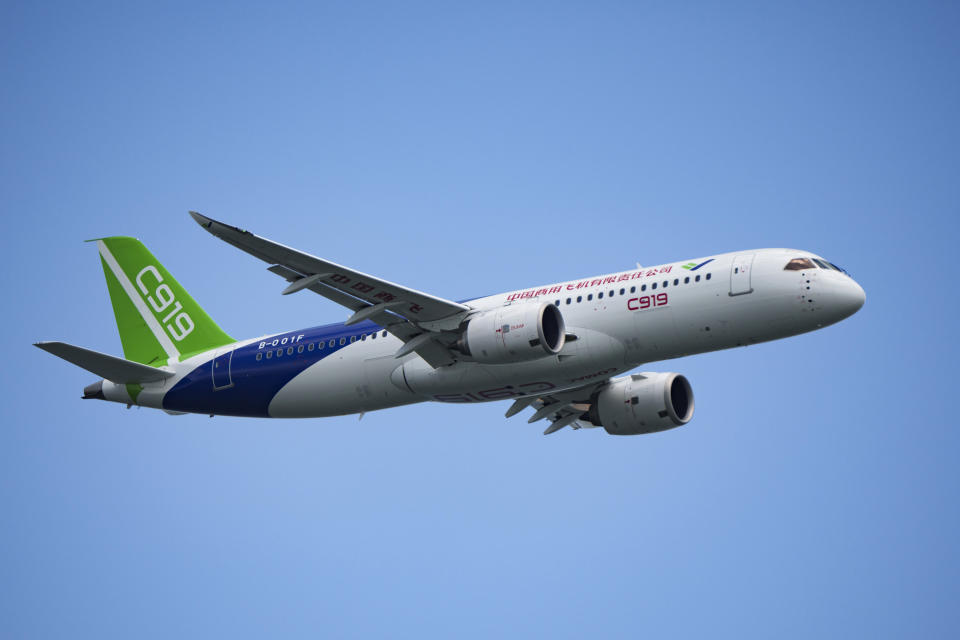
354	380
593	356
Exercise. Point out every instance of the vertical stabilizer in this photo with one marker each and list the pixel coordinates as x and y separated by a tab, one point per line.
157	319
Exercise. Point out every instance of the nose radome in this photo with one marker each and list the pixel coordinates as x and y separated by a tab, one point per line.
852	298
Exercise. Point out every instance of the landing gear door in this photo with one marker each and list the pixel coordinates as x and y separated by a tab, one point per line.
740	274
220	370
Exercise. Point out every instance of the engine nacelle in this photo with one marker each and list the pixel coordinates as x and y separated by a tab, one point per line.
515	333
642	403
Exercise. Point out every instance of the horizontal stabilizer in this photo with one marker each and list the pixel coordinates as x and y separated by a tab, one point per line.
108	367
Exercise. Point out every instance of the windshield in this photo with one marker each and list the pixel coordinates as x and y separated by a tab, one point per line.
799	264
828	265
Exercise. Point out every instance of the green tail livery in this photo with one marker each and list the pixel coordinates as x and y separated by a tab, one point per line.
159	322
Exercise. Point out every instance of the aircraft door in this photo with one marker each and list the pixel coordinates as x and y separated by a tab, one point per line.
220	370
740	274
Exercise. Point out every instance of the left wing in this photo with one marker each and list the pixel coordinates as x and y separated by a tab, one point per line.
422	321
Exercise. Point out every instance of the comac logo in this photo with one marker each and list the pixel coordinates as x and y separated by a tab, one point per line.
693	266
178	325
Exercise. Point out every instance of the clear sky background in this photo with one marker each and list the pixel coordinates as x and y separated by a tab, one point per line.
464	150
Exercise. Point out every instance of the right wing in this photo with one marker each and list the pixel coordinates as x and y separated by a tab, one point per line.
562	408
422	321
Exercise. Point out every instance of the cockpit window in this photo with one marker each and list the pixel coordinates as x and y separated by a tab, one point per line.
823	264
799	264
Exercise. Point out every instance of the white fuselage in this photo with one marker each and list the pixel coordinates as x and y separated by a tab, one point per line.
619	321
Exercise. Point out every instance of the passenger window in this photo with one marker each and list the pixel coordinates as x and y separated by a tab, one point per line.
600	296
568	300
665	283
310	346
676	281
279	352
384	334
686	280
579	298
373	336
653	286
269	354
697	279
590	297
289	351
343	341
622	291
353	339
633	289
363	337
799	264
643	287
708	276
259	357
300	349
332	343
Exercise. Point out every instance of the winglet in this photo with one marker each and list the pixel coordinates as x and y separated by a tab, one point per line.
210	224
201	219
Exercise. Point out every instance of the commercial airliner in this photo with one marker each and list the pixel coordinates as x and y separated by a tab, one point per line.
559	350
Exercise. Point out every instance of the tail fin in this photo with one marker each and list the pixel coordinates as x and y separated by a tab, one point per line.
158	320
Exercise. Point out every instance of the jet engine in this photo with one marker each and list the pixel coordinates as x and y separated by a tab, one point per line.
642	403
514	333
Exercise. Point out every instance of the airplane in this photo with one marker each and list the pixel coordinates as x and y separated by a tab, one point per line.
559	349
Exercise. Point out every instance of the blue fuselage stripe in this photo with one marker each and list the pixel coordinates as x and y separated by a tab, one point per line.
248	385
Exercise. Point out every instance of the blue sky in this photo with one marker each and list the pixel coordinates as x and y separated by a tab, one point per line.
465	150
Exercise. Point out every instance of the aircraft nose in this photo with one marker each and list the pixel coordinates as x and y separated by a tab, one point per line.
851	298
